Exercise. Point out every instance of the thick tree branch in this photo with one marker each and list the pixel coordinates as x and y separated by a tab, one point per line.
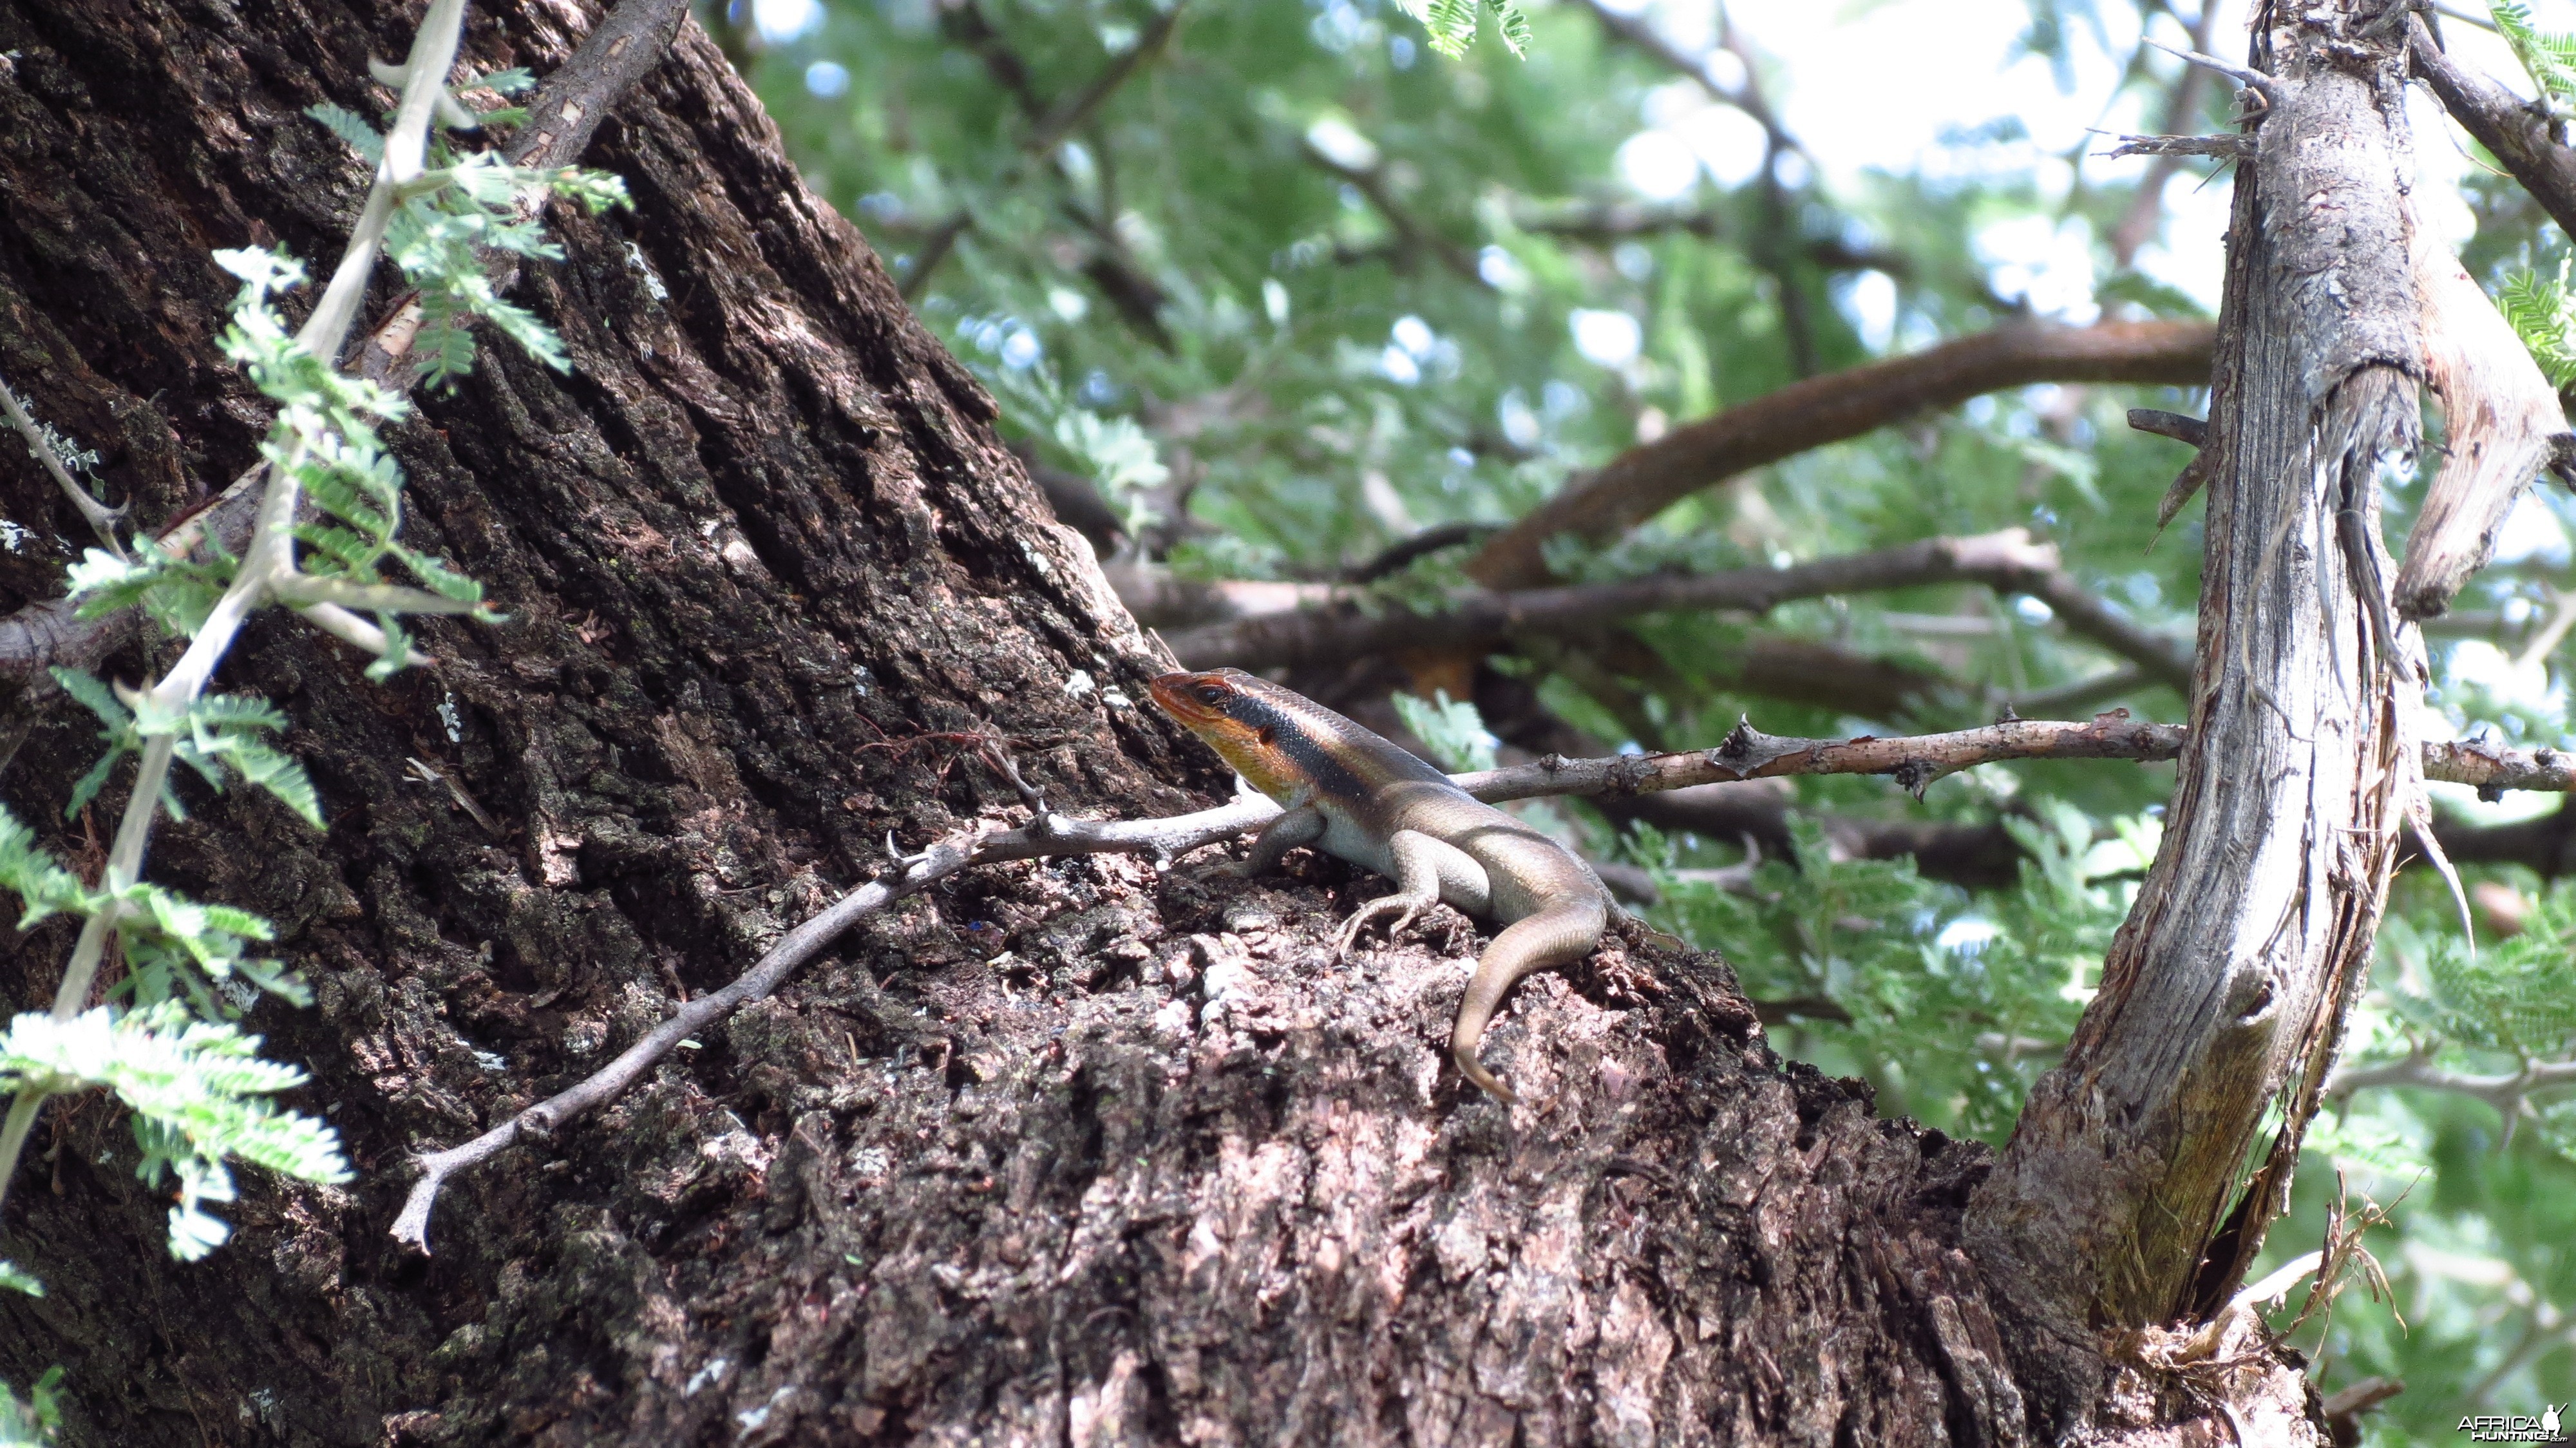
2502	424
1291	624
1837	406
2503	123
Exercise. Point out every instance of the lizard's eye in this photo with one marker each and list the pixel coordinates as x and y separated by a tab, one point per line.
1211	694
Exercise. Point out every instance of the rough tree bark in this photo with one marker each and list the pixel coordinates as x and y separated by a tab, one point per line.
1078	1150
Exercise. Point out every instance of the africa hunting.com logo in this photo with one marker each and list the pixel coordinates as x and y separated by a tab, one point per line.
2516	1427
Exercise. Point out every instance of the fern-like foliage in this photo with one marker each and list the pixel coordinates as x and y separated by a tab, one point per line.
1950	1007
175	948
2516	996
480	204
2548	55
2543	318
219	736
1451	729
34	1421
199	1093
1452	24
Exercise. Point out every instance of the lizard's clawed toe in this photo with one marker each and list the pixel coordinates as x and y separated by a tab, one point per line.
1405	911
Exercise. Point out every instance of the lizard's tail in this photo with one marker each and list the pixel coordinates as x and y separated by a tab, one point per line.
1566	932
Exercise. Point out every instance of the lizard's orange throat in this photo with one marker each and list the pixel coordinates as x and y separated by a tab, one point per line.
1209	706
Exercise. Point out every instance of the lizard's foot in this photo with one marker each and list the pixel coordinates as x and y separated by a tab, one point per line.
1403	907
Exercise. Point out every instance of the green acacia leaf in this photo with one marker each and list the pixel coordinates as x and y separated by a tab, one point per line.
351	129
44	888
93	694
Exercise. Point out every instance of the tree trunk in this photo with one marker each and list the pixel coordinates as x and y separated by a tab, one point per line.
2225	990
1072	1150
1076	1150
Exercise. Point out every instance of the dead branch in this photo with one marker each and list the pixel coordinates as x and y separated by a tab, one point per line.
1646	479
2502	426
2182	107
2491	767
1046	834
1914	761
2190	430
2228	144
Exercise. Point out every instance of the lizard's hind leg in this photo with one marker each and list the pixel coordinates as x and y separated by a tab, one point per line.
1427	871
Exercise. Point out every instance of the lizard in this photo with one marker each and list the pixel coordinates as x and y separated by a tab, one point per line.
1353	793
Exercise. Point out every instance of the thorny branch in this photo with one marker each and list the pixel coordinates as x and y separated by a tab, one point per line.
1747	753
1046	834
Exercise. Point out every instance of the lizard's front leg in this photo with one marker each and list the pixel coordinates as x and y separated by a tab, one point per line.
1300	826
1422	865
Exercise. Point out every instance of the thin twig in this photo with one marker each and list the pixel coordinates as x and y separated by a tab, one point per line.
1048	127
1046	834
1747	753
102	519
2268	87
1304	623
2146	206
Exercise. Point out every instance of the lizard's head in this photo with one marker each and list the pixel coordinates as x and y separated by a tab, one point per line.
1231	711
